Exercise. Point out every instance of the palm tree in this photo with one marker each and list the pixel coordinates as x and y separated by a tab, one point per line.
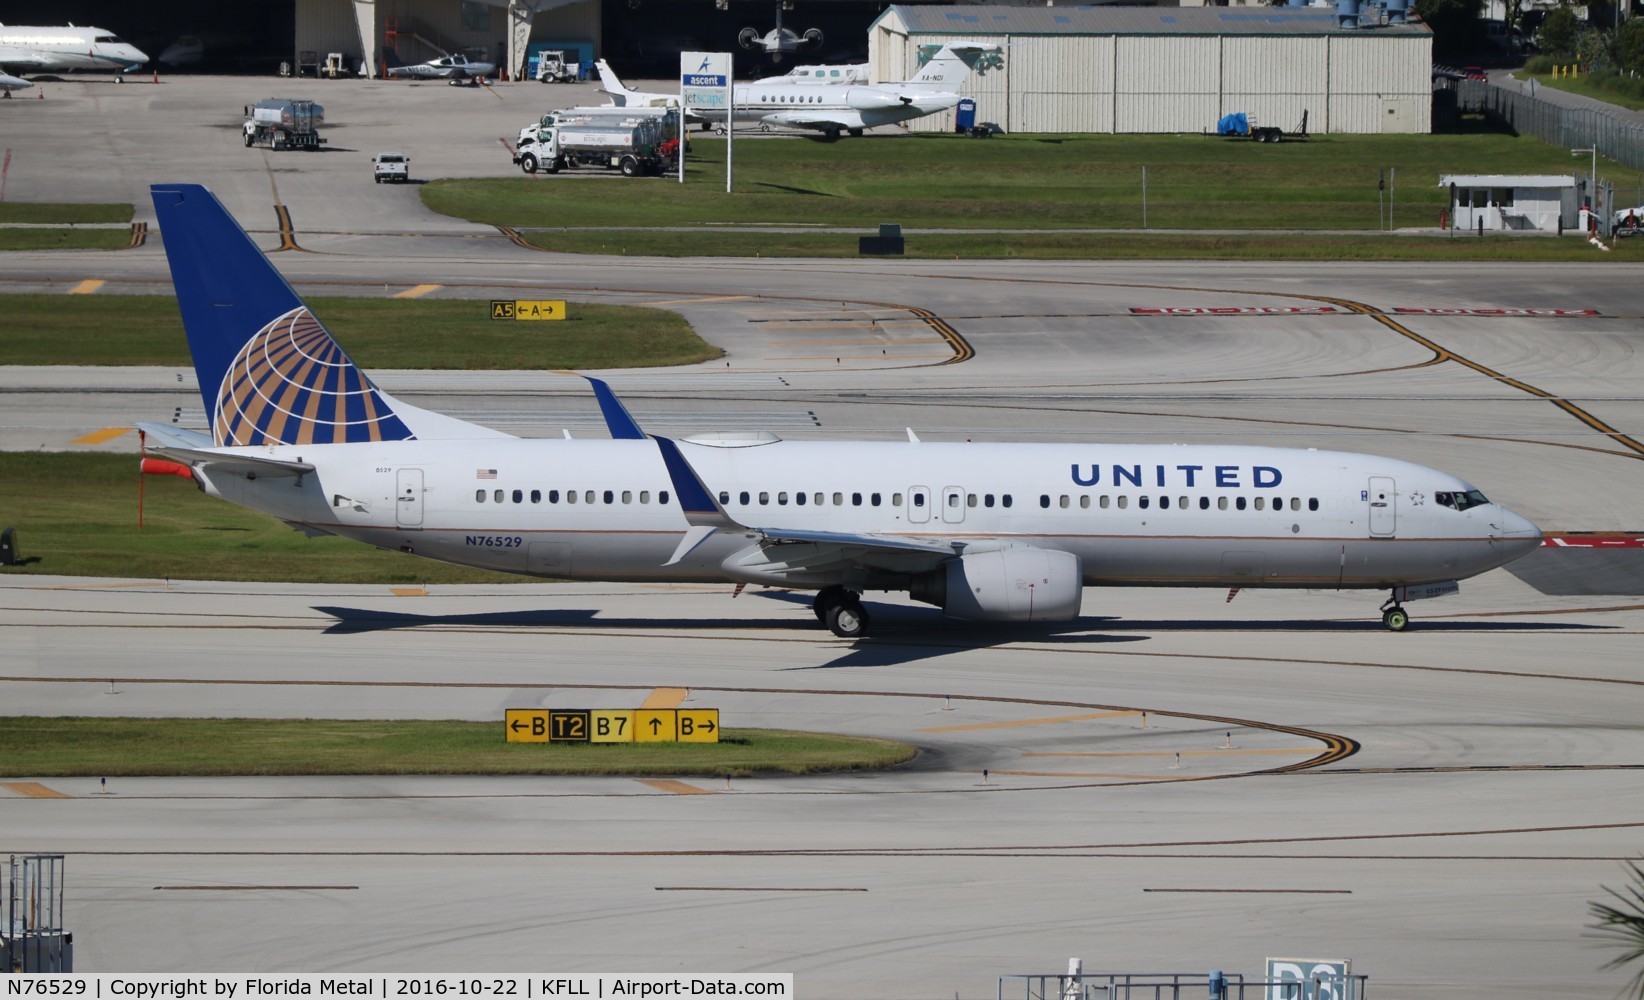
1623	925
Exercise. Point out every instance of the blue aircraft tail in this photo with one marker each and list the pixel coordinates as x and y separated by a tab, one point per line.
269	372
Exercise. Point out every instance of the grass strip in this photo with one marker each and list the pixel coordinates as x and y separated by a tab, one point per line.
1100	246
1586	87
76	515
64	239
65	213
377	333
38	747
1192	182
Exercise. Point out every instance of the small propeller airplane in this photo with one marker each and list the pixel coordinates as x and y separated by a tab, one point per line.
456	68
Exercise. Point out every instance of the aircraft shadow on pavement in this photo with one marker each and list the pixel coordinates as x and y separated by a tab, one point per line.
354	620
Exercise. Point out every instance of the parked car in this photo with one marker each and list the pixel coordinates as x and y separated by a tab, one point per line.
390	167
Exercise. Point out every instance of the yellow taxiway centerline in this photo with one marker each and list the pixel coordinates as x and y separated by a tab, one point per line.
415	292
675	786
666	698
87	286
98	437
33	790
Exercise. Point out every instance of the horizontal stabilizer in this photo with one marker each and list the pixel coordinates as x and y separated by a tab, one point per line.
231	462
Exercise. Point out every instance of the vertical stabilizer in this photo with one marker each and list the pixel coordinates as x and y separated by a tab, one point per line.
269	372
950	67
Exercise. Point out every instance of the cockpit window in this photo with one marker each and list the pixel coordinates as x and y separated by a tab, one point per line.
109	40
1460	500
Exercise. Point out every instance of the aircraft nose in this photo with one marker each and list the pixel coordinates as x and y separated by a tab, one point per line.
1518	534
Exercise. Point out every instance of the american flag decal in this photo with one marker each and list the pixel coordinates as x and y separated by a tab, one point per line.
485	473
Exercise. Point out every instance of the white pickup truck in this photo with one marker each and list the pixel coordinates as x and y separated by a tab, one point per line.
391	167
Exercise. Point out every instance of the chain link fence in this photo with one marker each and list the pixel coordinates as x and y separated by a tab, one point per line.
1615	138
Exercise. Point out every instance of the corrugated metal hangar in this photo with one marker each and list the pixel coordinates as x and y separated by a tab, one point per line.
416	30
1170	69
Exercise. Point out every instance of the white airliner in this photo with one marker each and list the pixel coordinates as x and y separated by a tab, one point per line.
25	49
11	83
831	107
994	532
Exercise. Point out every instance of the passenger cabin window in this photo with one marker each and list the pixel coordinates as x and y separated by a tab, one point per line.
519	496
536	496
479	496
497	496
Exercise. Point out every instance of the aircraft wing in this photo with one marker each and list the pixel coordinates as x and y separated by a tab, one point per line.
194	449
815	120
23	60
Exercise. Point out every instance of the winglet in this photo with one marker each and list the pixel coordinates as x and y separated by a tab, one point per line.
695	500
622	424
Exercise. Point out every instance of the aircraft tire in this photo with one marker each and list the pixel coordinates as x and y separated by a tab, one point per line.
1396	619
826	598
848	620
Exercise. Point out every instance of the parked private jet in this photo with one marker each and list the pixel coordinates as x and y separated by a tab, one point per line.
33	49
779	41
11	83
992	532
837	73
453	67
831	108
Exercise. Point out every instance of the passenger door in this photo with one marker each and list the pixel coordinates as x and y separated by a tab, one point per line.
1383	507
408	498
918	504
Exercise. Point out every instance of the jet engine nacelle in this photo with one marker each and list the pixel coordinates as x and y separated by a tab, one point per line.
861	99
1018	584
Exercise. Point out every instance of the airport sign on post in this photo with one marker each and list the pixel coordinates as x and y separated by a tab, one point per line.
528	309
706	83
611	725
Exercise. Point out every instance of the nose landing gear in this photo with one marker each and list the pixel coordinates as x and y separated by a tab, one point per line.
1394	616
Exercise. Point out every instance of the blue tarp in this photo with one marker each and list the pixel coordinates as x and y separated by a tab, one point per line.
1237	123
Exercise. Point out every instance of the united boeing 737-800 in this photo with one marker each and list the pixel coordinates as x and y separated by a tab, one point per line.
992	532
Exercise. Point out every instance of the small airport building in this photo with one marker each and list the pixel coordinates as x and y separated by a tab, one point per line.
1511	202
1173	69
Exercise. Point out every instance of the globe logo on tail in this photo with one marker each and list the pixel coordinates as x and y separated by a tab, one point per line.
292	384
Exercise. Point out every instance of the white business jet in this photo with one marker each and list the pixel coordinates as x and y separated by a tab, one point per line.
836	73
11	83
832	108
779	41
31	49
990	532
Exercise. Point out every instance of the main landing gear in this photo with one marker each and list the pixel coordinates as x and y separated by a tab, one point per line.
840	608
1394	616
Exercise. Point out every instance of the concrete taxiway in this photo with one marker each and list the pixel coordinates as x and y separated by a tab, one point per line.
1439	805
